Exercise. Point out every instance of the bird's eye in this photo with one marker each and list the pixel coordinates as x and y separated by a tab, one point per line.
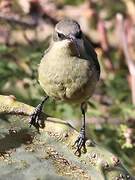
61	36
79	35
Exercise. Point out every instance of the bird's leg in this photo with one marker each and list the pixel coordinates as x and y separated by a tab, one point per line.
80	141
36	113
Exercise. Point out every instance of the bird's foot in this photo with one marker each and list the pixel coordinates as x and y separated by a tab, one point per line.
36	113
80	141
35	117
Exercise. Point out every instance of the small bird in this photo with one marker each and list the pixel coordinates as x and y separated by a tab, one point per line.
69	71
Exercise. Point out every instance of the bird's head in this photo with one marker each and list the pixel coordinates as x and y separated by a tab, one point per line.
68	31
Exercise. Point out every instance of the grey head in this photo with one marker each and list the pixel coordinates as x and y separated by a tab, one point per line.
68	29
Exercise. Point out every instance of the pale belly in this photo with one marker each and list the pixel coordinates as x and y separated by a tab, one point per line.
70	80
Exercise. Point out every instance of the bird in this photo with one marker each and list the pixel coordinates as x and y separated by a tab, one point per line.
69	71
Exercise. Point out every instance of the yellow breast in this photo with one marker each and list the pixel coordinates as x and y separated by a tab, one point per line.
66	77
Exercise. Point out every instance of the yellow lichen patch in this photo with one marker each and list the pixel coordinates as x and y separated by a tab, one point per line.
5	156
64	166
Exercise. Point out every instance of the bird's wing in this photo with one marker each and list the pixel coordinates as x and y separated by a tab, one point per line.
91	52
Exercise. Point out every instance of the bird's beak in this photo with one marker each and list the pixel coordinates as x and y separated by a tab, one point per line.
72	36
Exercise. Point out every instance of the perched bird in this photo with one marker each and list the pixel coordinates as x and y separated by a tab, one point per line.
69	71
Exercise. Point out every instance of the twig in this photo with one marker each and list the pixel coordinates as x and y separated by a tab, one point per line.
104	44
129	60
16	20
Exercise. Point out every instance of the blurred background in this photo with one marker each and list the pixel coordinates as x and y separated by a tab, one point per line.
25	30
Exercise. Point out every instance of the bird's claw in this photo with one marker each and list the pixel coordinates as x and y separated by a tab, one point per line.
34	118
80	141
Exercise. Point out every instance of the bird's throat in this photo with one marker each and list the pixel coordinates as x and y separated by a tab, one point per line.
65	47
